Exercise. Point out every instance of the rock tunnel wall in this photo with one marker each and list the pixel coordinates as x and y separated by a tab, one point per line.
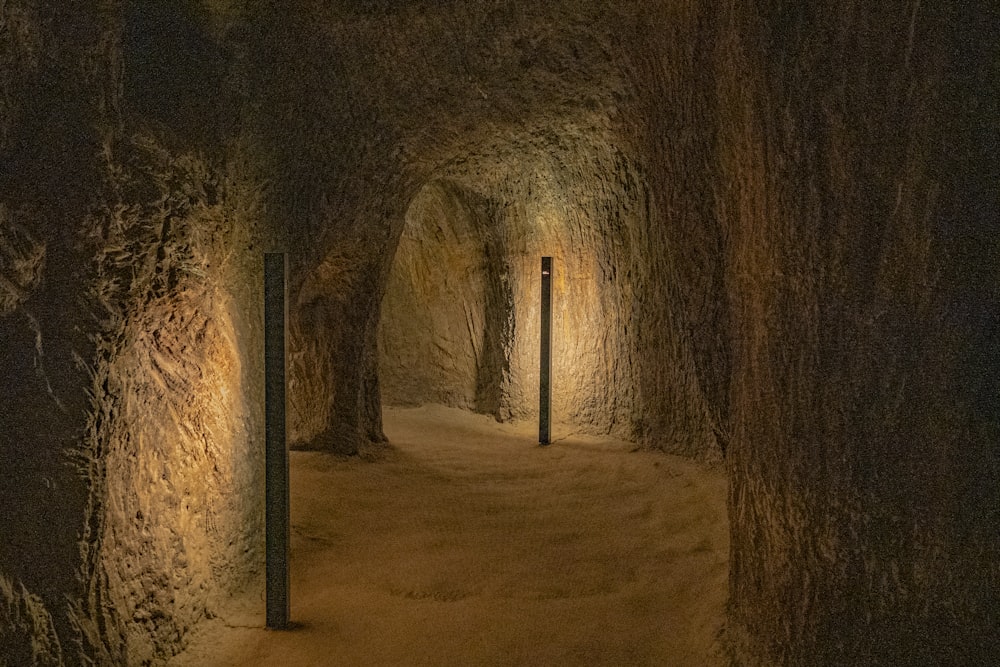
576	200
775	227
861	272
444	334
833	292
129	342
173	445
49	174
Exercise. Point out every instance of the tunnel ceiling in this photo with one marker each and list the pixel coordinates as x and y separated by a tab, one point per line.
475	89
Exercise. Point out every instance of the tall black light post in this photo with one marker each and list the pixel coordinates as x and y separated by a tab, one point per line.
545	367
276	514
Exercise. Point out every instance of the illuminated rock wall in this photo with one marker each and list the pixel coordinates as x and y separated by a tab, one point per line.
445	329
129	346
174	439
680	310
579	202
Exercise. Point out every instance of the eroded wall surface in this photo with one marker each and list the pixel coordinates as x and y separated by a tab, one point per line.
445	324
861	272
774	231
173	446
129	342
48	177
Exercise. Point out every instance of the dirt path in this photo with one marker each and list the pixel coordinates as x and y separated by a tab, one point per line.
470	545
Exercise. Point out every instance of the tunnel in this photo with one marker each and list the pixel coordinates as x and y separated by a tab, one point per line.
459	319
445	324
774	330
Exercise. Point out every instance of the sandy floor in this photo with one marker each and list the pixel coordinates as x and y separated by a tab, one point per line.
468	544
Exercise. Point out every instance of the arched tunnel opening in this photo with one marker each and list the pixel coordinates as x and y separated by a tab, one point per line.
446	317
775	331
460	316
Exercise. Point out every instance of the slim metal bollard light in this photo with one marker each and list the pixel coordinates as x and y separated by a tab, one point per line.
545	367
276	446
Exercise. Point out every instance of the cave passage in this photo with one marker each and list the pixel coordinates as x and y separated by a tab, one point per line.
780	223
460	318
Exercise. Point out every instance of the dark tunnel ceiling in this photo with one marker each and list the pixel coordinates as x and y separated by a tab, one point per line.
466	91
484	86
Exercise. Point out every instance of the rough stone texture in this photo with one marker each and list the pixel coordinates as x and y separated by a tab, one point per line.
857	149
174	442
129	345
680	311
27	635
445	333
774	229
579	203
50	86
796	296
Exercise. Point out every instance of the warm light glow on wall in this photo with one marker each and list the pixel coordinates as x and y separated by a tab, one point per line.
577	337
177	458
460	318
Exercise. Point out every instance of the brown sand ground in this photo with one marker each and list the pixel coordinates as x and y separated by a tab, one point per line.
468	544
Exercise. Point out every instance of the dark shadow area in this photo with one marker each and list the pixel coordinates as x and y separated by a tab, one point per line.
172	67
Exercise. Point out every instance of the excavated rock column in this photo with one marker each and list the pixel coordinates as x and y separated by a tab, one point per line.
680	314
339	194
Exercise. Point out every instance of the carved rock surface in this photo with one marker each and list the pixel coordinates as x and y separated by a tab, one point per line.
774	231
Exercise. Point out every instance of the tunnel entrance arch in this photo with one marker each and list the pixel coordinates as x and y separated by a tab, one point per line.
446	320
